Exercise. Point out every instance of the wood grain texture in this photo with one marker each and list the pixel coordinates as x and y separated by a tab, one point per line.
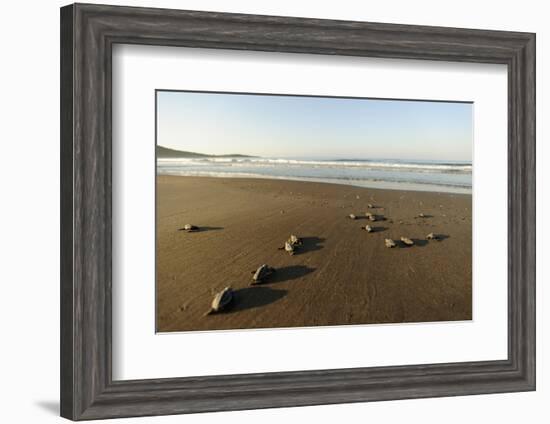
66	211
88	33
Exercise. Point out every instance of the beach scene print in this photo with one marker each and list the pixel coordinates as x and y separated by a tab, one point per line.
281	211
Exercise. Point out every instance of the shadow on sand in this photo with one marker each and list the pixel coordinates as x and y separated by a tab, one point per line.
417	243
255	297
376	229
377	217
422	242
201	229
288	273
309	244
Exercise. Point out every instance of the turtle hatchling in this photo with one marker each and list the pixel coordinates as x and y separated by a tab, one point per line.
352	216
370	216
263	272
389	243
189	228
432	236
294	240
407	241
288	247
221	301
368	228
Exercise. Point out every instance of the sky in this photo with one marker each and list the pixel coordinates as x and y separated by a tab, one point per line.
314	127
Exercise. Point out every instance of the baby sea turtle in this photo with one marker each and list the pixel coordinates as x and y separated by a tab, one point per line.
263	272
432	236
407	241
189	228
221	301
370	206
288	247
368	228
294	240
352	216
370	216
389	243
421	215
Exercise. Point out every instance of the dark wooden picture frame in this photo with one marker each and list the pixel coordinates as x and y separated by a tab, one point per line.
88	33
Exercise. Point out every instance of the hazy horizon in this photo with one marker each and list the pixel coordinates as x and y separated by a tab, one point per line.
314	127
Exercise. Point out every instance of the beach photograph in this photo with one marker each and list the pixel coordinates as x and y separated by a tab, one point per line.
283	211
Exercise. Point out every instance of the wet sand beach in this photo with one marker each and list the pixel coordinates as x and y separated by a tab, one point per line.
340	275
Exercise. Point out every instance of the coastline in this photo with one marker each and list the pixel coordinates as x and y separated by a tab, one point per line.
368	184
393	174
342	275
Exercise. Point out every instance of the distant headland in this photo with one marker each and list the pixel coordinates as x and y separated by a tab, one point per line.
165	152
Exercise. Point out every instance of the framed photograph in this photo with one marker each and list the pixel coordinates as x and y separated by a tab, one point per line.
328	229
263	211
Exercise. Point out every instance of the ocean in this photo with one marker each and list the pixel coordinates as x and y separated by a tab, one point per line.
422	175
